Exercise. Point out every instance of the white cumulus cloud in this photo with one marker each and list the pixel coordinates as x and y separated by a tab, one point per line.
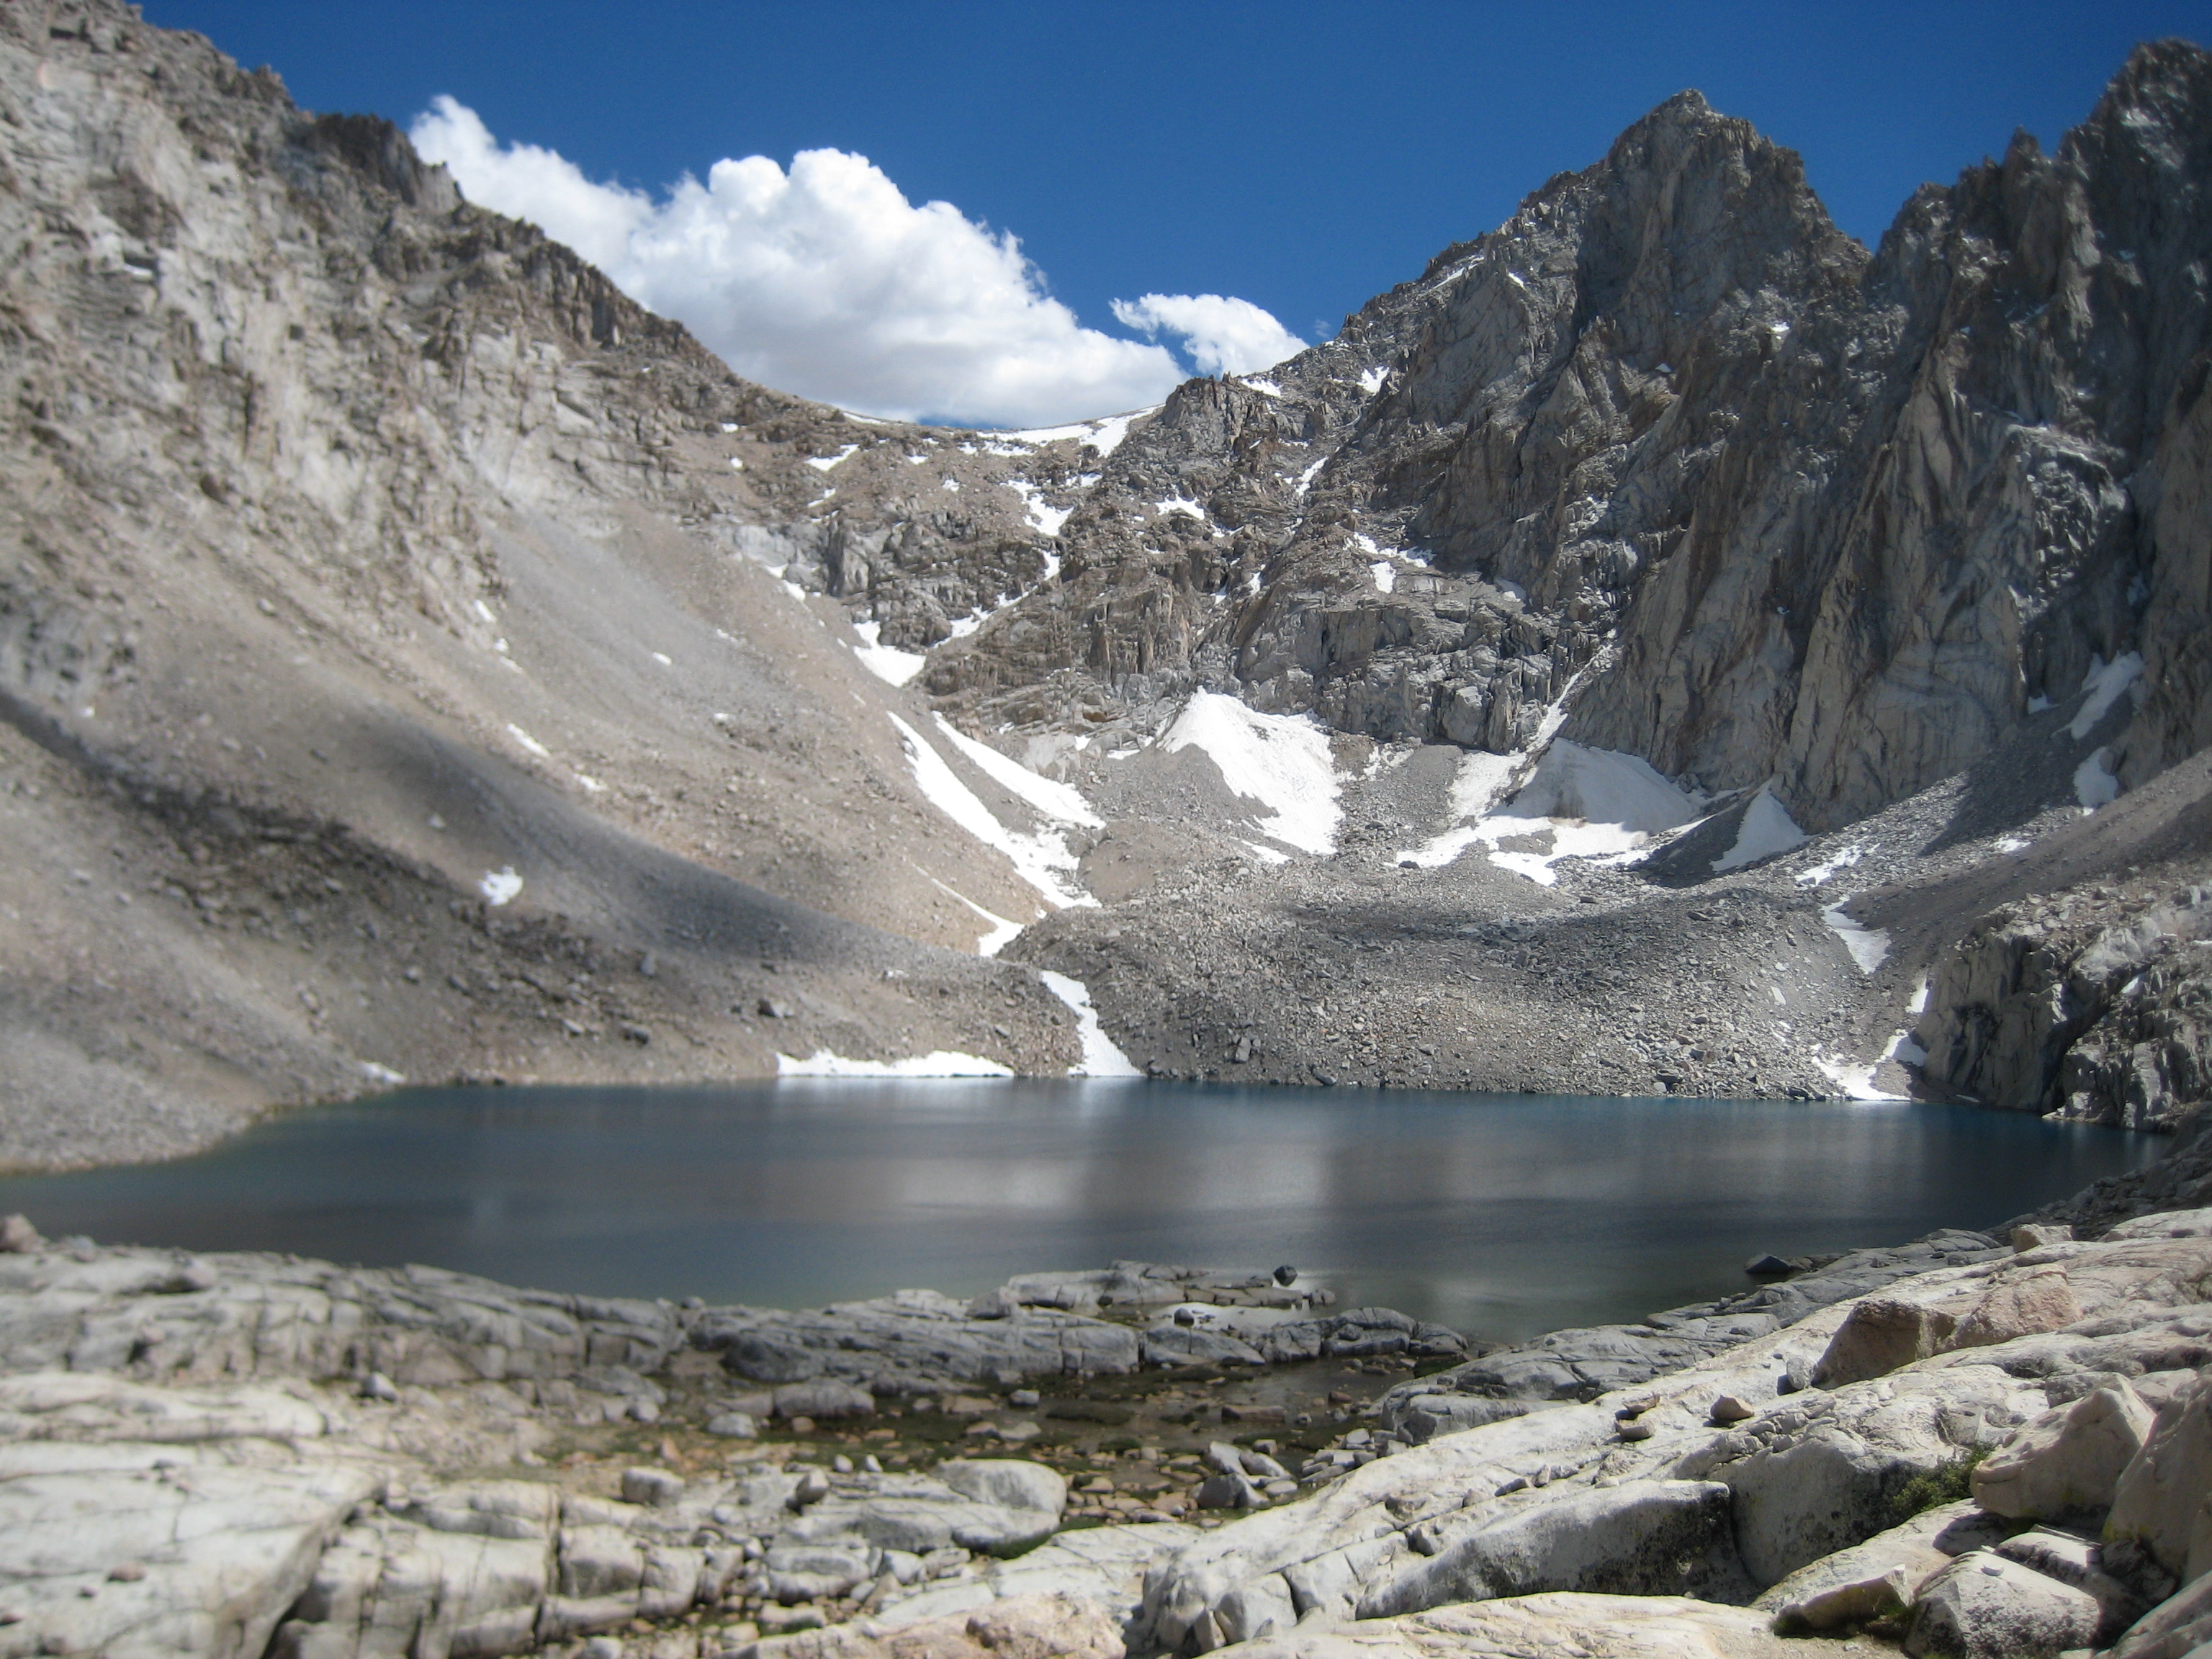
1224	335
824	280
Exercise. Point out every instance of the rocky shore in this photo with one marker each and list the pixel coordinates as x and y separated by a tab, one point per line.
1973	1444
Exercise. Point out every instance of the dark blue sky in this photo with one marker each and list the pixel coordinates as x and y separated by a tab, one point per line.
1303	157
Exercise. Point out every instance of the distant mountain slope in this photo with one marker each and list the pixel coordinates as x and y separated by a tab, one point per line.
1789	511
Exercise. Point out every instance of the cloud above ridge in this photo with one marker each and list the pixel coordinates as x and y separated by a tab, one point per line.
1223	336
825	280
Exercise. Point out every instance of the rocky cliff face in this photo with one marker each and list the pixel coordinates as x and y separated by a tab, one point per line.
1787	511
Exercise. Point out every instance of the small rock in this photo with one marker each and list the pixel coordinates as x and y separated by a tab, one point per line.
1024	1399
655	1488
19	1237
2034	1236
801	1425
1287	1275
377	1386
1729	1409
1768	1266
771	1008
733	1426
127	1572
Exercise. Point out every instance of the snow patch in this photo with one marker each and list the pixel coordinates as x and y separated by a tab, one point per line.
1855	1080
1306	478
1767	829
1281	761
1918	1002
1869	946
1104	435
1003	932
1267	387
1101	1057
2095	786
2040	705
1053	799
887	663
1049	520
1372	381
667	661
500	886
1820	872
1385	574
1177	504
2102	685
1043	860
525	740
588	784
824	463
1590	803
376	1074
943	1062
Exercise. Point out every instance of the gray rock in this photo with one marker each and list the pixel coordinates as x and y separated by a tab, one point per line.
1640	1538
1984	1607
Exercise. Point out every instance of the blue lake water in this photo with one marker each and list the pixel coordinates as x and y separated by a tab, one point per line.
1501	1215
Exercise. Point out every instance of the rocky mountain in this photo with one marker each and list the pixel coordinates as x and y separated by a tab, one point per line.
418	660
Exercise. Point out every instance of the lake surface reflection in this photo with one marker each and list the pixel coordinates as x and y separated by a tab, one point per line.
1501	1215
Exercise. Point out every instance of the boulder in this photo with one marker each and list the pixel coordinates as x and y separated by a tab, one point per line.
2072	1559
2177	1628
1640	1538
1877	1579
2018	1304
1176	1345
1562	1623
824	1401
1009	1482
1050	1626
2034	1236
1880	1334
2068	1461
1984	1607
2163	1498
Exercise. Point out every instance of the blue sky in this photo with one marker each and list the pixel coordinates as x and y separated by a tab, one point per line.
1298	157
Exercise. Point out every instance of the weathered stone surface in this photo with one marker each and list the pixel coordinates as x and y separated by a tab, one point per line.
2164	1496
1876	1579
1984	1607
1593	1626
2177	1628
2068	1461
1880	1335
1640	1538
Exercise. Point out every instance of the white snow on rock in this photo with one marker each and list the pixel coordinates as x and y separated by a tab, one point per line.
528	742
1820	872
1481	779
500	886
2102	685
1767	829
1053	798
1869	946
1590	803
2095	786
1385	574
943	1062
887	663
1104	435
1372	381
1268	387
1047	519
1101	1057
1042	860
1306	478
824	463
1174	504
376	1074
1855	1080
1281	761
1003	932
